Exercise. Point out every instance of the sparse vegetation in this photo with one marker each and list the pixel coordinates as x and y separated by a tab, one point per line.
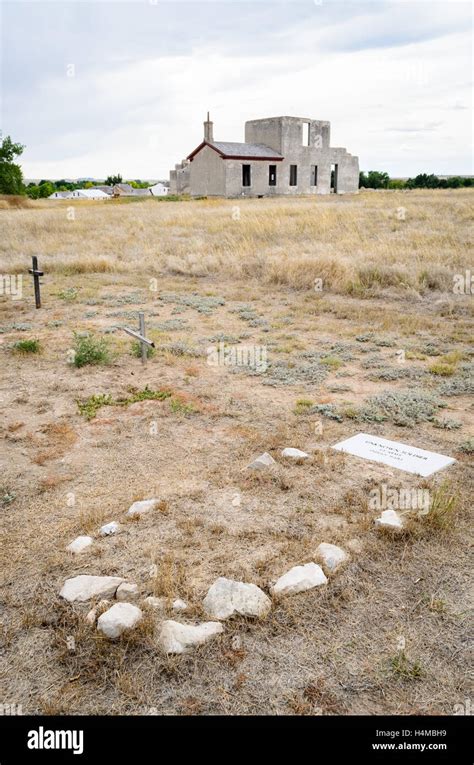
91	406
90	350
467	446
27	346
403	408
404	668
69	295
136	350
443	507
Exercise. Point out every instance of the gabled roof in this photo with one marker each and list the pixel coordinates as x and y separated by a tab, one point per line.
90	193
60	195
232	150
106	189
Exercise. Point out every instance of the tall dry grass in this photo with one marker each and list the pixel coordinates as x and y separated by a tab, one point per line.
401	240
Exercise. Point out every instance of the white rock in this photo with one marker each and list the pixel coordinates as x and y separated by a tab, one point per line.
180	638
144	506
79	544
300	578
262	462
155	602
389	519
331	555
109	528
126	591
84	587
179	605
226	597
122	616
295	454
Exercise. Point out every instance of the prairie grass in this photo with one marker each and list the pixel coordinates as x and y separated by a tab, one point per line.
355	245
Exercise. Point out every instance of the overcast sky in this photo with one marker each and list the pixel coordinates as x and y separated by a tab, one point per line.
93	88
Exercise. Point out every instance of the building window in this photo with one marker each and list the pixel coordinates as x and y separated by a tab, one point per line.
246	177
314	175
272	175
305	134
293	175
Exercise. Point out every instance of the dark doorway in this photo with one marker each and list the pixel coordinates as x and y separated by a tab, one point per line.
272	175
246	175
293	175
334	169
314	175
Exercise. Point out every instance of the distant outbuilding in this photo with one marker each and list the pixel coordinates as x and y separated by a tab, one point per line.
159	190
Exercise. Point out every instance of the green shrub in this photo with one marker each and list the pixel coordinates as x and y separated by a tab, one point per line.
302	405
27	346
467	446
332	362
69	295
91	406
180	407
136	350
90	350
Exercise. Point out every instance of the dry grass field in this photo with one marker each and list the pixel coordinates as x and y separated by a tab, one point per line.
352	299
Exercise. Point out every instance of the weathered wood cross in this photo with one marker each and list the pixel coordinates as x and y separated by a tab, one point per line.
36	273
140	336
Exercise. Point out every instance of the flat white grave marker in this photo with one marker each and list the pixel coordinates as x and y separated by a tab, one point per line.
393	453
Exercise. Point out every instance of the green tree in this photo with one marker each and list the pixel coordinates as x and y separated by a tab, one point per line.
111	180
423	181
33	191
374	180
46	188
455	182
396	183
11	177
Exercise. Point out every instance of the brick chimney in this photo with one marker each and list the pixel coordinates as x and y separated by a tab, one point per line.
208	130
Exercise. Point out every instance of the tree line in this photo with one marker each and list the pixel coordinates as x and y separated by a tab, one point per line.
375	179
11	178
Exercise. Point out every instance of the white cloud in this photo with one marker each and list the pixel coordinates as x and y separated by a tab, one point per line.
393	83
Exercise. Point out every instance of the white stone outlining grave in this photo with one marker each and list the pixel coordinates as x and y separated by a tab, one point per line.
395	454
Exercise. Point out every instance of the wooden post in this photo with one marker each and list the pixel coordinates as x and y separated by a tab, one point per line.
140	336
36	273
141	329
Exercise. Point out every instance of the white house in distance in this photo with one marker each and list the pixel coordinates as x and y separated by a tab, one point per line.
89	194
60	195
159	189
79	194
109	192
